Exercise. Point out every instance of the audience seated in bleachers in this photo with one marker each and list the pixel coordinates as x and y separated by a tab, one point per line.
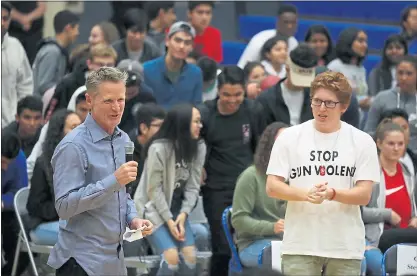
13	178
257	218
175	79
403	96
28	123
44	223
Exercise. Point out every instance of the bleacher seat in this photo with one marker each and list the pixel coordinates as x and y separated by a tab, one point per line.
377	11
249	25
232	52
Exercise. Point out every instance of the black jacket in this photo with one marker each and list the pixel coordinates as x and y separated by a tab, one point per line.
275	109
41	201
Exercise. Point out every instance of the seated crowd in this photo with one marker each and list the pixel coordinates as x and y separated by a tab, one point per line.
204	131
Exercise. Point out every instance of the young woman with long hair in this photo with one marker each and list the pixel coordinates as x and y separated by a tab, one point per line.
257	218
169	188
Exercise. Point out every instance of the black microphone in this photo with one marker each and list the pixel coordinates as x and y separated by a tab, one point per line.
129	149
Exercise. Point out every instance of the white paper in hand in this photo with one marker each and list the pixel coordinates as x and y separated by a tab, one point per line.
132	235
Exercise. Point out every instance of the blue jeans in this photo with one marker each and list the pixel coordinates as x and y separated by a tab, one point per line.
201	235
249	255
373	259
162	240
46	233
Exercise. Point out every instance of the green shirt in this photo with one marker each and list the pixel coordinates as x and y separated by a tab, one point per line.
254	213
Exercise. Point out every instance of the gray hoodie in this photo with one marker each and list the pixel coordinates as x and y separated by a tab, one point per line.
156	187
16	78
390	99
50	65
375	214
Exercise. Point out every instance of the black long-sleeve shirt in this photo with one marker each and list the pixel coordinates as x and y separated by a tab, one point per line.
41	201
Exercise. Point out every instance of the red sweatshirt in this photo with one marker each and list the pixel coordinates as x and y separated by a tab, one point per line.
209	43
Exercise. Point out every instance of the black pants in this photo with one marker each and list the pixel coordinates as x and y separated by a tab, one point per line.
10	232
29	41
391	237
215	202
71	268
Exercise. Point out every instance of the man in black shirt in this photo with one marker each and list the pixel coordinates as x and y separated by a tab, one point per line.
231	126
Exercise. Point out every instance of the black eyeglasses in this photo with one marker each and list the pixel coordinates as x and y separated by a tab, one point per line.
328	104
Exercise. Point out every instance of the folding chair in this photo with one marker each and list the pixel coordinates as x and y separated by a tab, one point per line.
235	266
265	258
23	243
389	261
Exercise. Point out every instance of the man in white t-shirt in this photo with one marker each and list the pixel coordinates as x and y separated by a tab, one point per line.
287	23
330	167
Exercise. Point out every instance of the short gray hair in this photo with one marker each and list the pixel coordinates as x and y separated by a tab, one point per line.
103	74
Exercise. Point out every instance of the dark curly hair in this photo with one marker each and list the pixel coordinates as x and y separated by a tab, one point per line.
53	137
264	148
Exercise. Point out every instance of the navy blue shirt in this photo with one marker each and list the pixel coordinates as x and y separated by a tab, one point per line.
188	88
13	179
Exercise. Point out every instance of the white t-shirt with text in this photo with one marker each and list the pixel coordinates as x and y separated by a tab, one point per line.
305	157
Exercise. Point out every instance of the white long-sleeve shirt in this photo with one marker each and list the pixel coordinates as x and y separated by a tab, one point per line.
253	49
16	77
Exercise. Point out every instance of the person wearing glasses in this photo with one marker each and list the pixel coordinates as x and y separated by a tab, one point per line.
171	78
325	169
